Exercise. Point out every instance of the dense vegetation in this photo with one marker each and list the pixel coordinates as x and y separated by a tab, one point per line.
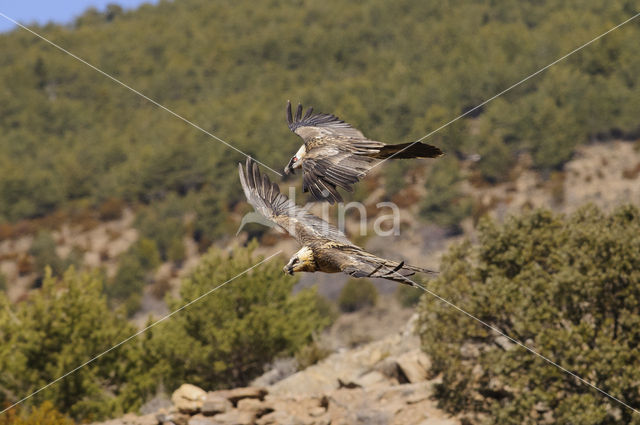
444	204
74	140
226	340
217	342
45	414
62	326
397	70
569	288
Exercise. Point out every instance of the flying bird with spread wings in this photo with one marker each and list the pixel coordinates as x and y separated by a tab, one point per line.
324	247
335	154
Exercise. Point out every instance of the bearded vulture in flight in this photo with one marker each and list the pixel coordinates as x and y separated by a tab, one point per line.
336	154
324	247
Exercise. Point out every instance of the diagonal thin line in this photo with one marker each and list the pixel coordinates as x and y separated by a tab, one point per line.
548	360
507	89
140	331
135	91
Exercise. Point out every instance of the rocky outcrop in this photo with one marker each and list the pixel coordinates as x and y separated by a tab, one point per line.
382	383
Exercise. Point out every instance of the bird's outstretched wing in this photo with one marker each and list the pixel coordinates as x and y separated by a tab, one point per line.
357	262
337	155
311	126
266	198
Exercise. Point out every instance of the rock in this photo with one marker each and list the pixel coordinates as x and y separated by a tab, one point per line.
317	411
372	379
279	417
173	419
200	419
389	368
255	406
188	398
161	417
234	417
214	404
414	365
373	417
238	394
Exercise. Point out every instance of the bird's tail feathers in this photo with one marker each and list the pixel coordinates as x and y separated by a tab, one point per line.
409	150
398	272
420	270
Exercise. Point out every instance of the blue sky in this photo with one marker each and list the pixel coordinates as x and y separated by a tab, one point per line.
60	11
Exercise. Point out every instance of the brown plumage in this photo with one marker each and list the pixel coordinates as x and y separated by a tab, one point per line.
335	154
324	247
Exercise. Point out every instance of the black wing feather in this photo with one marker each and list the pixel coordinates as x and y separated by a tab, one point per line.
328	121
267	200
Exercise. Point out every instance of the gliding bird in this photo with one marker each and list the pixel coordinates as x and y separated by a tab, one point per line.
324	247
335	154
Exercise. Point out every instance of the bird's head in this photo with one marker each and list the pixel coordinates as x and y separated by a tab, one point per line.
295	161
301	261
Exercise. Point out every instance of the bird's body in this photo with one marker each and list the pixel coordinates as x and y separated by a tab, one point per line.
324	247
335	154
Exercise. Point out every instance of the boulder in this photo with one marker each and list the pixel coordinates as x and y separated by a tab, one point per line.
414	365
279	417
234	417
237	394
214	404
188	398
371	379
255	406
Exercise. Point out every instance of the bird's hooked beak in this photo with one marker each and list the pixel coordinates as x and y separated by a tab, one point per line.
289	168
288	269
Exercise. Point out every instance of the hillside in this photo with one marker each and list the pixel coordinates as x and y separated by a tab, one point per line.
113	212
605	174
73	138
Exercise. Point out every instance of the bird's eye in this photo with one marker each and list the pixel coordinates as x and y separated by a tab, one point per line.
295	261
295	159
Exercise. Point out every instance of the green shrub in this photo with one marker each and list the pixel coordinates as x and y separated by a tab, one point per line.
444	203
496	159
133	274
211	220
163	222
569	288
226	338
61	326
111	209
357	294
43	250
45	414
